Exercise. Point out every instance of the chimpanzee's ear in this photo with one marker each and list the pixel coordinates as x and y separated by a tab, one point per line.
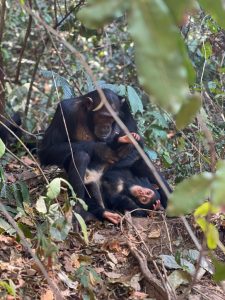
88	103
122	99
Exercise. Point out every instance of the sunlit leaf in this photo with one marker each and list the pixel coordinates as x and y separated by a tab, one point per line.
54	188
83	227
205	209
189	194
159	54
9	287
2	148
41	206
215	9
99	12
188	111
212	236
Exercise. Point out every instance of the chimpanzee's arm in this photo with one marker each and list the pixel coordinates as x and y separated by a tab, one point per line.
123	203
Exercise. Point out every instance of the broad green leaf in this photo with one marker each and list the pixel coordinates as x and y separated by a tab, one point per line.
215	9
134	100
41	206
2	148
59	229
159	53
54	188
210	231
189	194
212	236
218	186
99	12
24	191
188	111
219	274
7	227
83	227
151	154
178	277
205	209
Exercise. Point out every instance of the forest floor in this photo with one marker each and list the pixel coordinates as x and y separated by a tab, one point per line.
129	261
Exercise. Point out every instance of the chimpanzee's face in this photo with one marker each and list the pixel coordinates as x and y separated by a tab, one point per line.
103	126
144	195
103	122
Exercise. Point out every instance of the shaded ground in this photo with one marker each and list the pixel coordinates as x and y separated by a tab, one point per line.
121	262
106	267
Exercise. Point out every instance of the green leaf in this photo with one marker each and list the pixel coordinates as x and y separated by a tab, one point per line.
26	230
218	186
206	50
212	236
83	227
59	81
219	274
7	227
160	54
54	188
41	206
205	209
215	9
134	100
24	191
151	154
9	287
189	194
188	111
59	229
99	12
2	148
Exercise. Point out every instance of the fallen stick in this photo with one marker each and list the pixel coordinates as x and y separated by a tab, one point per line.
160	292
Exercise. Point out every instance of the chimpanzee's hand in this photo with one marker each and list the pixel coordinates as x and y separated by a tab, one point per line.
126	140
112	217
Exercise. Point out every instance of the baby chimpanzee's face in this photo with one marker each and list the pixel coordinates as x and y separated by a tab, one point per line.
144	195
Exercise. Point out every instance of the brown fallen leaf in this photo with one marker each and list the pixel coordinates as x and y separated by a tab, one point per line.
138	295
48	295
113	275
155	233
28	161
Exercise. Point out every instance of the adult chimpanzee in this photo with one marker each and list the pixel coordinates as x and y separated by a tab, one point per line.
83	131
122	191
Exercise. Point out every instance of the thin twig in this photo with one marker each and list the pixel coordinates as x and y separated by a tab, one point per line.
28	31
